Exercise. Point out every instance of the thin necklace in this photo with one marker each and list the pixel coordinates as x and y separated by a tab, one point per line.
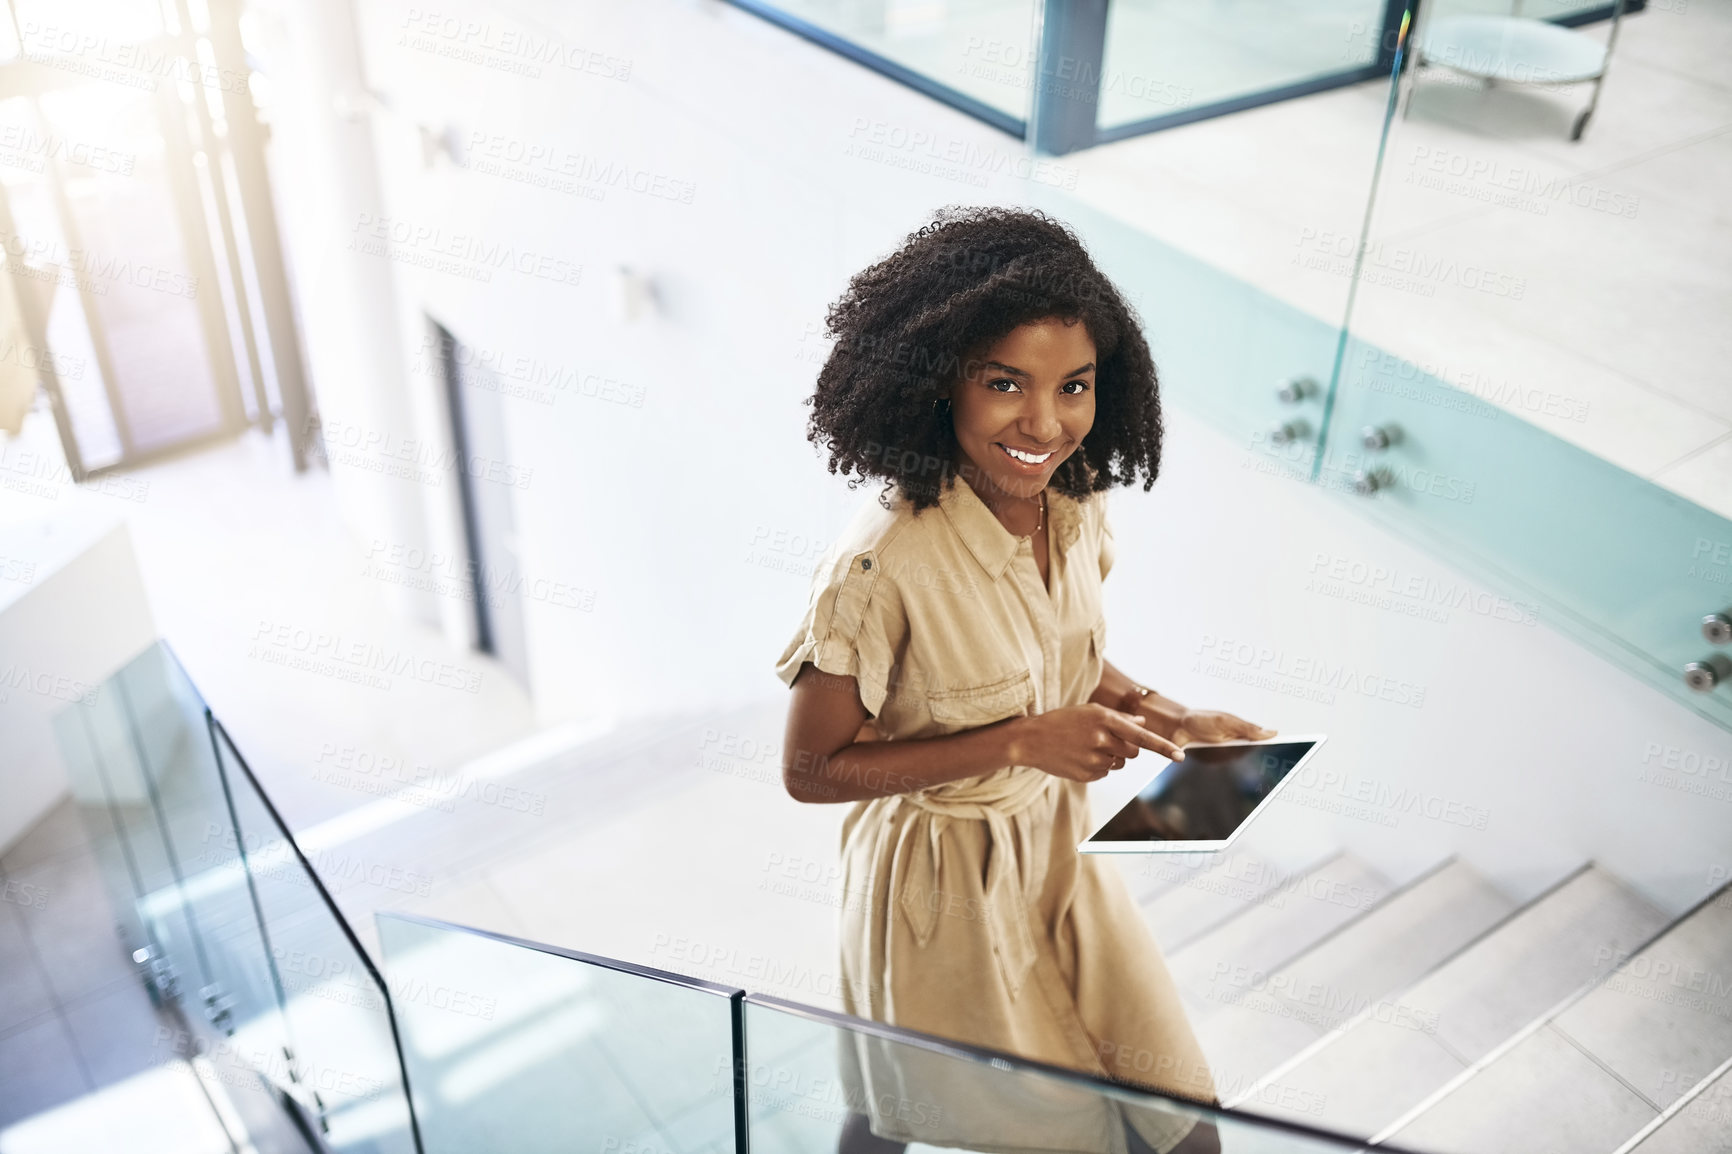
1039	518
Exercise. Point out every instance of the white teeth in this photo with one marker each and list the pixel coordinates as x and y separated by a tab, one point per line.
1022	456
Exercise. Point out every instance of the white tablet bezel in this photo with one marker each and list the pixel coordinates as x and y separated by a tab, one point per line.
1087	846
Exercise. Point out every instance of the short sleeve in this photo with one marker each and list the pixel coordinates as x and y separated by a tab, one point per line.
853	627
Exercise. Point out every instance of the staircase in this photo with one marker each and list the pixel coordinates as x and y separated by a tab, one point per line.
1441	1015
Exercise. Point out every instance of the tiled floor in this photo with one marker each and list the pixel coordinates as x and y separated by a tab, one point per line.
74	1019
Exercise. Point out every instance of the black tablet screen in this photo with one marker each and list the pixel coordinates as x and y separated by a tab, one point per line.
1207	796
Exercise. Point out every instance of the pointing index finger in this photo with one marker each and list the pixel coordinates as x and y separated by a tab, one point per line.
1129	727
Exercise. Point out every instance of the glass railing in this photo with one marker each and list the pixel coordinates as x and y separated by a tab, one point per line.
1089	73
232	930
1163	60
475	1041
979	59
1617	562
521	1046
1513	393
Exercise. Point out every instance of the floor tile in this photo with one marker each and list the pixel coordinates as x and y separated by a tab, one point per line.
74	931
1703	1126
1705	478
61	830
1542	1097
1663	1021
157	1111
24	991
39	1069
116	1032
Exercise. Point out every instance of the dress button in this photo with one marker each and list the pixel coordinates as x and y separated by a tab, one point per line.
865	562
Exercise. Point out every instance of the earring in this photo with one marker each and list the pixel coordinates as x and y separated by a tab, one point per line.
941	405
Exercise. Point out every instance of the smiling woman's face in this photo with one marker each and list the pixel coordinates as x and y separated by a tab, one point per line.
1025	405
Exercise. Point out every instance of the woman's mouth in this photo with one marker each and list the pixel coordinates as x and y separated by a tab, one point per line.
1025	458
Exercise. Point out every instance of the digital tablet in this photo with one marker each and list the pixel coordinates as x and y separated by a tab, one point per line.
1204	801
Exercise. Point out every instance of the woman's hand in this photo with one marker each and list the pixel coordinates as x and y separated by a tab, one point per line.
1205	725
1084	742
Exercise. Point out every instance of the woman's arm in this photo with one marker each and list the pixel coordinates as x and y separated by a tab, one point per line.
1167	717
825	760
1118	691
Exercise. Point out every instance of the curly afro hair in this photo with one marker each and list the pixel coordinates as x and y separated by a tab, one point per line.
908	326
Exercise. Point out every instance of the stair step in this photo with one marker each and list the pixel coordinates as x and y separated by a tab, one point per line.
1659	1023
1197	894
1544	1096
1663	1021
1144	877
1403	938
1219	966
1703	1126
1383	1064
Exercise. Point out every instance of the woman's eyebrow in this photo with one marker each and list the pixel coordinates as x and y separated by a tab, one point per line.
1016	372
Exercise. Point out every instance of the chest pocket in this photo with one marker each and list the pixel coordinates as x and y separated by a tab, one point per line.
976	705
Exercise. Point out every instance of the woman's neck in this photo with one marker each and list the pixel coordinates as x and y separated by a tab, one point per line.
1020	516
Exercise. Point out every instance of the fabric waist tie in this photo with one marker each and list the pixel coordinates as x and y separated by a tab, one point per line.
1010	876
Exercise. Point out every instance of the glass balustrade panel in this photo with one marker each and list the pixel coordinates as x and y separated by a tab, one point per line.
514	1046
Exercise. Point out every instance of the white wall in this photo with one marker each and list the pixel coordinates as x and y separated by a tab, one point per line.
72	612
326	187
695	518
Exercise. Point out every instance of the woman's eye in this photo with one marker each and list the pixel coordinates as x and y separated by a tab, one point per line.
1001	381
1081	386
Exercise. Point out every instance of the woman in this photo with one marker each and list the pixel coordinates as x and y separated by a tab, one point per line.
948	677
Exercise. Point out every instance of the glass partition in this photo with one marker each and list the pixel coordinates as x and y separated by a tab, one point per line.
230	927
1164	58
140	760
979	57
166	721
1533	384
343	1065
1465	413
822	1081
516	1046
1126	67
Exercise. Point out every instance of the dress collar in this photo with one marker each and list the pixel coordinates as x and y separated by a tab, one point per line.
986	537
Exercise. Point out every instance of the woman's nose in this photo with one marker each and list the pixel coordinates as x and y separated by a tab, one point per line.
1040	420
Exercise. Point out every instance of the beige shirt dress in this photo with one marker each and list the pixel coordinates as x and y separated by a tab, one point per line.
971	915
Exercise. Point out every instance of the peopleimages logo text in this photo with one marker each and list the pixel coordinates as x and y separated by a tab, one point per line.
1278	667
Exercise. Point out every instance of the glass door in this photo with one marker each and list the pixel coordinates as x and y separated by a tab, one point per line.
133	273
